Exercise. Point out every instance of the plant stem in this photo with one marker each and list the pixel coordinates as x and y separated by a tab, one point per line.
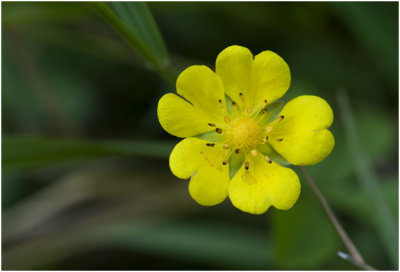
357	259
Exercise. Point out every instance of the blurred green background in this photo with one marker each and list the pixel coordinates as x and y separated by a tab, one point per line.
85	177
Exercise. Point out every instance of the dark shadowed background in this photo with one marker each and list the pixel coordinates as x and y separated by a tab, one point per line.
85	176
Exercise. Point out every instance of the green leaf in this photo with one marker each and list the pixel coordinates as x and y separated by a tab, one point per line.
235	163
22	153
137	17
141	33
132	38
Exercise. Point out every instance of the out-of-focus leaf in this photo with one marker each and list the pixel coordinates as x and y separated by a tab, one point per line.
375	27
20	153
205	242
379	132
369	181
304	236
357	204
42	13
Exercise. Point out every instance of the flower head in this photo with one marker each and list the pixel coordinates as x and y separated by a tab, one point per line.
239	137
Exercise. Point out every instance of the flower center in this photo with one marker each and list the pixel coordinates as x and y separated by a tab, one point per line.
244	133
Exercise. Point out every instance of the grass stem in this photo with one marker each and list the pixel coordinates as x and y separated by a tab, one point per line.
355	255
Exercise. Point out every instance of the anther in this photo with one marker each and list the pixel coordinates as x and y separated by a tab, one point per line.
241	96
218	130
225	162
246	165
234	104
279	140
268	129
227	119
220	103
211	124
264	111
280	118
210	144
253	152
267	159
264	103
237	151
226	146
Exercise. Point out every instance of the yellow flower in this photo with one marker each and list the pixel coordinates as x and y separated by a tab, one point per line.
238	136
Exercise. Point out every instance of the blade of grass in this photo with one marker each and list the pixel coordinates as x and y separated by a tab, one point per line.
137	40
131	38
356	259
137	16
368	180
22	153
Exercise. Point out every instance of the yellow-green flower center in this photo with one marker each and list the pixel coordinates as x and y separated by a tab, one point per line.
244	133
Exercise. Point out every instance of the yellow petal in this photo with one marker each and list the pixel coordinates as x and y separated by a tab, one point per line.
266	77
186	157
209	177
233	65
306	140
178	117
263	185
209	186
203	88
270	77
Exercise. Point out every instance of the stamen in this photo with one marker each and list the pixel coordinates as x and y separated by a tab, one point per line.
211	124
226	146
225	162
210	144
220	103
279	140
265	140
227	119
264	103
280	118
241	97
253	152
246	165
234	105
249	110
268	129
267	159
218	130
237	151
262	115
